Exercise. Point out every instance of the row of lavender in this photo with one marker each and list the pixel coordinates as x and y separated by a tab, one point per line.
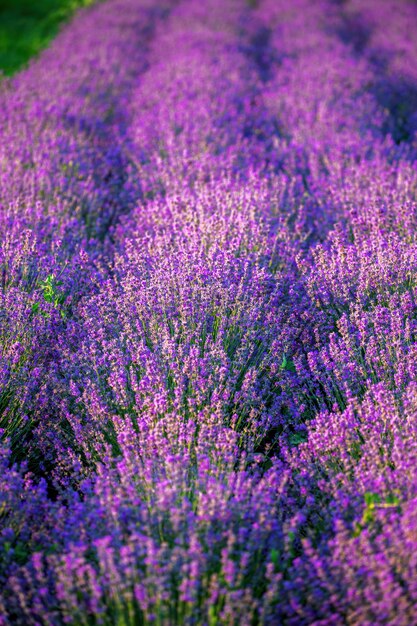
208	318
354	135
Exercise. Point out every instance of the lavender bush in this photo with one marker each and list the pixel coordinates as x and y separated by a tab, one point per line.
208	318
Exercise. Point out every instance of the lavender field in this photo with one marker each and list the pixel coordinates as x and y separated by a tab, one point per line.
208	317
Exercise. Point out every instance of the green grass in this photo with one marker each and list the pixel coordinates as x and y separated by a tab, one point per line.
27	26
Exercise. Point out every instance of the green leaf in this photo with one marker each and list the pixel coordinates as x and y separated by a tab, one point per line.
275	557
296	438
371	499
287	364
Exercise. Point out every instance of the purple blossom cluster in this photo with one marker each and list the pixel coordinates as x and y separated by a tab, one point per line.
208	317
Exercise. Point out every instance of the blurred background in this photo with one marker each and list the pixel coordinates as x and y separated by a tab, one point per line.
27	26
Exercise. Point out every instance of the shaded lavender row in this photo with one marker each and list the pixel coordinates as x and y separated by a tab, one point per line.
230	406
390	45
63	185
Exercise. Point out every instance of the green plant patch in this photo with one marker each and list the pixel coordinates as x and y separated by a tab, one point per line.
28	26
